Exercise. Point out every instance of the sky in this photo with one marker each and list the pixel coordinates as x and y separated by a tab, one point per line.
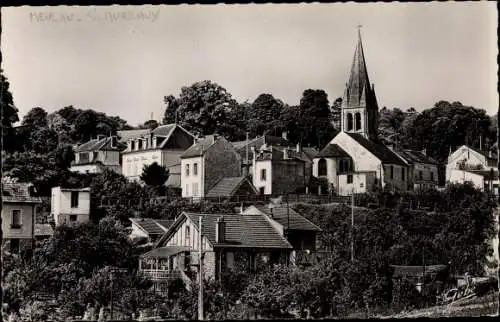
122	60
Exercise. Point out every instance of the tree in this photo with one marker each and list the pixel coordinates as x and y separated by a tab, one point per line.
151	124
337	113
9	113
203	107
264	114
44	140
154	175
35	118
59	124
172	104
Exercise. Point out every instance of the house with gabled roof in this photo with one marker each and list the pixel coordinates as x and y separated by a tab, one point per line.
373	164
208	161
98	154
149	229
226	240
422	169
230	187
19	202
163	145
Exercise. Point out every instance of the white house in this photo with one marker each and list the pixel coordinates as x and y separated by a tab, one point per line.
163	145
423	170
477	167
95	155
355	160
70	206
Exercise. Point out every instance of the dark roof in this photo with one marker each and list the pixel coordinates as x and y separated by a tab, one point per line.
164	130
311	153
332	150
400	271
280	214
248	231
226	187
126	135
258	142
378	149
166	223
413	156
100	145
19	192
43	230
165	252
199	148
150	226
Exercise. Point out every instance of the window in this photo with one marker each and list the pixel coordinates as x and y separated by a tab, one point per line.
132	145
14	246
195	169
392	172
349	121
187	170
349	178
195	189
261	190
358	121
83	157
74	199
95	154
420	175
322	169
432	176
139	145
403	174
72	218
263	174
187	237
187	190
16	218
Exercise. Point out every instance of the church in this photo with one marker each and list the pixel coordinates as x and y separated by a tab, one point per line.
355	161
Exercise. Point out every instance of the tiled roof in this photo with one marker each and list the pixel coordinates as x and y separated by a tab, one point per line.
19	192
126	135
166	223
165	252
332	150
379	150
258	142
43	230
150	226
311	153
100	144
296	221
412	156
248	231
226	187
164	130
199	148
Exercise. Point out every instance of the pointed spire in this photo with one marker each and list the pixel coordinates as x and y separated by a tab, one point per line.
358	79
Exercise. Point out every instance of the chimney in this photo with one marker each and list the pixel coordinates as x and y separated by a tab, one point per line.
284	135
220	230
298	148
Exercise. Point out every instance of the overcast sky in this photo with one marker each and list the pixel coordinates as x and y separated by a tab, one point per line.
123	60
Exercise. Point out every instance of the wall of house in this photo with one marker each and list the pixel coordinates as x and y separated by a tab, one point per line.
109	157
471	157
179	140
220	161
362	158
133	162
86	168
26	229
460	176
65	219
287	176
396	181
331	170
136	231
429	175
362	182
190	183
61	206
256	178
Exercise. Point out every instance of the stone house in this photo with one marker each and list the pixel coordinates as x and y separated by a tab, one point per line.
206	163
70	206
19	202
97	154
163	145
422	170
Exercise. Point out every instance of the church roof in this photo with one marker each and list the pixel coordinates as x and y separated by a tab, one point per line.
379	150
358	91
332	150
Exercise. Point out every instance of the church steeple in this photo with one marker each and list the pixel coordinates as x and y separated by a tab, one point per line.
359	105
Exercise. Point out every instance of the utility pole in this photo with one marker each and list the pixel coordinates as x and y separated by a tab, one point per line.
200	272
352	226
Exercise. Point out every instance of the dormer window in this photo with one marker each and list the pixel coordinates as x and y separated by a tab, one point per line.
132	145
139	144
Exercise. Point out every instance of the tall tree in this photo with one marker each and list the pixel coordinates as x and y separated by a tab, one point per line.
171	106
336	111
9	113
264	115
314	115
36	118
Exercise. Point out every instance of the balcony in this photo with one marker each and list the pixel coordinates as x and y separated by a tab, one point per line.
161	275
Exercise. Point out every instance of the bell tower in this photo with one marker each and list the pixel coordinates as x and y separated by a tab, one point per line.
359	104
